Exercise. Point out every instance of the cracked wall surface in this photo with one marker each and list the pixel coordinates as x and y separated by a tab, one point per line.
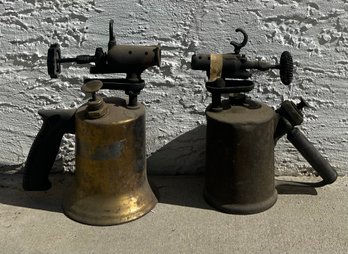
315	32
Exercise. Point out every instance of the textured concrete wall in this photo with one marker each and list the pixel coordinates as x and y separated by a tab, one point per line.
315	32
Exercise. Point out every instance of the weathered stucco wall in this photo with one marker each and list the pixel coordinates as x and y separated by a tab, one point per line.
315	32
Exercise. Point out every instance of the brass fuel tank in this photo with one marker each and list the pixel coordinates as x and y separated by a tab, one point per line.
240	158
110	184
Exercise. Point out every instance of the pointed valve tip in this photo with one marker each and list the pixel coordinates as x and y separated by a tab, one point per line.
302	104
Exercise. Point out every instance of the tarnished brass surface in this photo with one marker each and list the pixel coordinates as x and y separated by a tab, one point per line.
240	159
110	185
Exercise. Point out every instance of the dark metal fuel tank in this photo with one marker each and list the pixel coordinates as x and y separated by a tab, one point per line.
240	157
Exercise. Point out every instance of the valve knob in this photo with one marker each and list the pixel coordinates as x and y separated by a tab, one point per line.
53	60
286	68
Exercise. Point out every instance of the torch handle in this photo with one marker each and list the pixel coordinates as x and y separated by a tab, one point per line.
45	148
311	154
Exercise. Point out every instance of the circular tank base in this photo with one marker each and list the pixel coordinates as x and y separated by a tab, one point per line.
250	208
101	210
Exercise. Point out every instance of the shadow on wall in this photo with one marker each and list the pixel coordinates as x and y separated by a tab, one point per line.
183	155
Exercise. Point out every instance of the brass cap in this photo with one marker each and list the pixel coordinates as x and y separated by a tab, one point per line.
96	106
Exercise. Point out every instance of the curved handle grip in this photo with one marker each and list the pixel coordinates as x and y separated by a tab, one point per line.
311	154
45	147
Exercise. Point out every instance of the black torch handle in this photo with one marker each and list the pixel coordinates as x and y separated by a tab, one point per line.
311	154
45	148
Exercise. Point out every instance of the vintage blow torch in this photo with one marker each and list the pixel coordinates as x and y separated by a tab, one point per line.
110	184
241	133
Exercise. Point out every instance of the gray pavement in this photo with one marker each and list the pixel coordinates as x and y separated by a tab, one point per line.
307	222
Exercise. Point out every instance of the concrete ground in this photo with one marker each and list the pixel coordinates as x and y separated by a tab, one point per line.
302	221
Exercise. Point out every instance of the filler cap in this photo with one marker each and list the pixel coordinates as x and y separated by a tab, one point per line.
96	107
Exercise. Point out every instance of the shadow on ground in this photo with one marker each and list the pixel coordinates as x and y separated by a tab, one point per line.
12	193
175	190
179	184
